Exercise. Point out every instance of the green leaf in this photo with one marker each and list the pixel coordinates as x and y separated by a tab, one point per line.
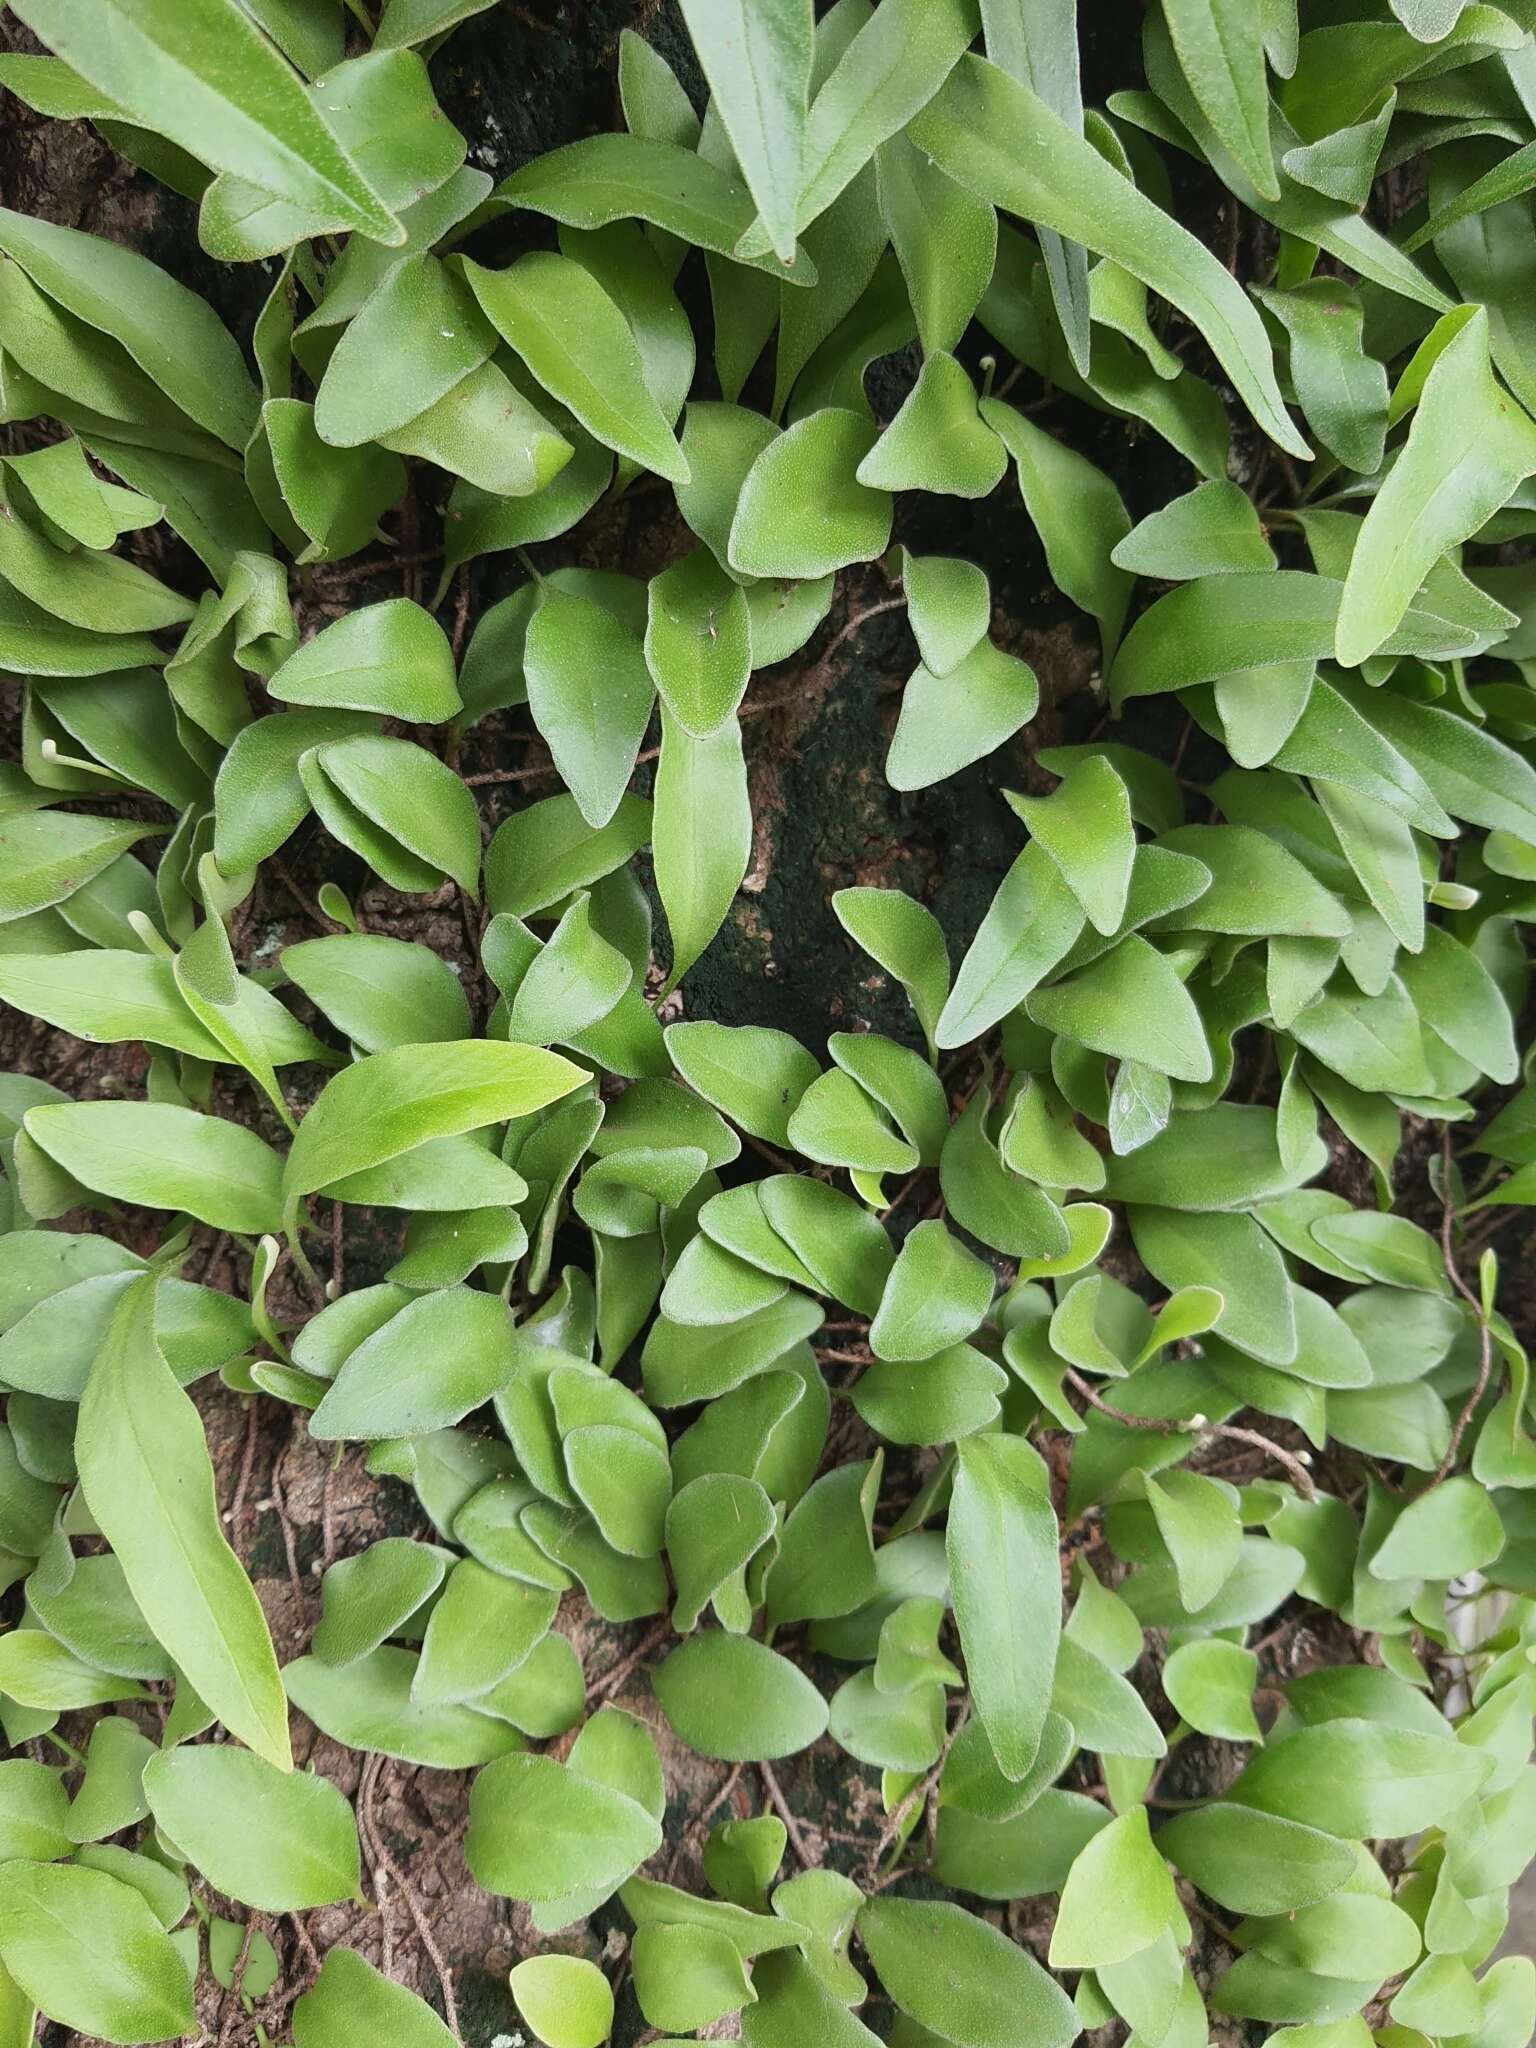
392	1101
1198	1521
350	2004
90	1954
1078	514
825	1564
1085	826
1361	1779
1212	530
1117	1899
1231	1254
948	1968
1210	1685
591	694
565	2000
1131	1004
411	795
996	136
51	854
1222	625
167	1158
802	511
947	722
903	938
209	80
752	1075
541	854
539	1830
1436	494
365	1599
1031	924
279	1841
34	1810
259	796
698	642
605	178
701	835
731	1697
369	1705
1448	1531
145	1471
1341	389
381	992
688	1976
757	61
411	342
1253	1862
936	1294
578	344
1221	53
1006	1587
391	658
443	1354
173	335
837	1124
938	441
945	240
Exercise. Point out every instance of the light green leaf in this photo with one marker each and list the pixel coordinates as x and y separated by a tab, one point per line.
351	2004
996	136
757	61
279	1841
947	1967
1438	492
1220	45
392	1101
391	658
576	341
732	1697
701	835
207	78
698	642
802	512
1006	1587
167	1158
145	1471
1117	1899
90	1954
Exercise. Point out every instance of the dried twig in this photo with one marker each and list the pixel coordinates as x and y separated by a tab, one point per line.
792	1827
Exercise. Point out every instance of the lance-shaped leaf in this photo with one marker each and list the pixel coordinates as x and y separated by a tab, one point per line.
166	1157
173	335
393	1101
701	835
201	73
1078	514
1036	42
148	1482
1220	45
591	694
576	341
1469	446
802	511
757	60
605	178
999	138
1005	1582
392	658
698	642
1341	389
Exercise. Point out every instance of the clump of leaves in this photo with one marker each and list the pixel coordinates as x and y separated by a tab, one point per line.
1130	1403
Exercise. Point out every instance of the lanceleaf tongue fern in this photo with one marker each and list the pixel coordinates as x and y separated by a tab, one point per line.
1085	1412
